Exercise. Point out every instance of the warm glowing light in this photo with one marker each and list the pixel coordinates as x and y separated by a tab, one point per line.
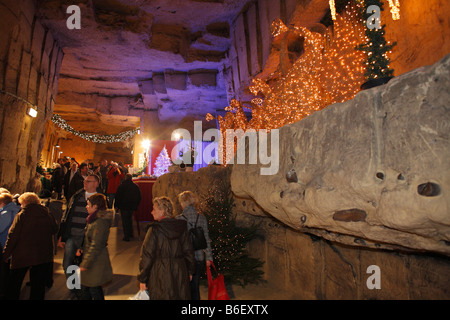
32	112
333	9
146	144
395	9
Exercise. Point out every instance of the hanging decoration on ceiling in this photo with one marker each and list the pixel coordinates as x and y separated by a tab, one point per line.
395	9
333	9
97	138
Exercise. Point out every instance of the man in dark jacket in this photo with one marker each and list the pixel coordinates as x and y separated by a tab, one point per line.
73	180
127	199
58	178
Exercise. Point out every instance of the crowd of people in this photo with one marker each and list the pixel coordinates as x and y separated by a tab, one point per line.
32	225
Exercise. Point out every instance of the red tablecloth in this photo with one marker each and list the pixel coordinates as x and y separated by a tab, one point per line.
144	211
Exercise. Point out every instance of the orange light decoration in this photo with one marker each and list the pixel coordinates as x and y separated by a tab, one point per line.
395	9
329	71
332	9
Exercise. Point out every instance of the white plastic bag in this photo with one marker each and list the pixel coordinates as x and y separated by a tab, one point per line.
141	295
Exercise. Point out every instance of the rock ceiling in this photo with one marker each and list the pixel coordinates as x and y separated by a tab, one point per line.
135	56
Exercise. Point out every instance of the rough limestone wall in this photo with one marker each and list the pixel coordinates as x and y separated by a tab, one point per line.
308	267
304	266
372	171
30	59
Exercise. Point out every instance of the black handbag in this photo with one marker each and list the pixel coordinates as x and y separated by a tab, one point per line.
77	259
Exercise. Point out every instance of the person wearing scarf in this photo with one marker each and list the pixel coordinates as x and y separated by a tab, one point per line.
96	267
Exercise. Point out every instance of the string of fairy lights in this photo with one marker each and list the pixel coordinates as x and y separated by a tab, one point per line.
60	122
97	138
331	70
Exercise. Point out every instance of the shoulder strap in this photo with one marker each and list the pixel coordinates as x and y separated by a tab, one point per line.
196	220
187	219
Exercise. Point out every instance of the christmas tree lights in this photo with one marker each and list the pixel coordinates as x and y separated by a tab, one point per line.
376	47
228	241
162	163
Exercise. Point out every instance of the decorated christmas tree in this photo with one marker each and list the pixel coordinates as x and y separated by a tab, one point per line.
228	241
162	163
376	47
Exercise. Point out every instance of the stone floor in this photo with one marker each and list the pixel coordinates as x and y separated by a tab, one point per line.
125	258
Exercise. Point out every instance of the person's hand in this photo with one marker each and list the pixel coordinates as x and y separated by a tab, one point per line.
60	244
142	286
79	252
190	277
83	269
208	263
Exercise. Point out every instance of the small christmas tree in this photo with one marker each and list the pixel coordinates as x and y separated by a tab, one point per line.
376	47
162	163
228	241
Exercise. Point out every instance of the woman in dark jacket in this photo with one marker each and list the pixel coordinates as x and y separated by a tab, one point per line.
30	246
167	257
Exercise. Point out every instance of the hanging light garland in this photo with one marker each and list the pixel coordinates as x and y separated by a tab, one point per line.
97	138
333	9
395	9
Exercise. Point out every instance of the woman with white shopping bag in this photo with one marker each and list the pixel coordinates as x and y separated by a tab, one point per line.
167	257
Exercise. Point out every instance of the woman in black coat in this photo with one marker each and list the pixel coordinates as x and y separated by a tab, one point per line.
30	247
167	257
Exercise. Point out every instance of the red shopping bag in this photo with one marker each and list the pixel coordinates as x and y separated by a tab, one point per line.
216	286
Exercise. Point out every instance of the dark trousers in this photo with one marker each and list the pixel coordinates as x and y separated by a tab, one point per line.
92	293
4	276
127	223
195	282
110	197
38	278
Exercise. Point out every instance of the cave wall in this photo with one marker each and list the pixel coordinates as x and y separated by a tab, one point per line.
30	59
422	33
304	266
308	267
371	171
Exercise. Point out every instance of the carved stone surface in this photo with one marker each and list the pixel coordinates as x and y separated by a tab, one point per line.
371	172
